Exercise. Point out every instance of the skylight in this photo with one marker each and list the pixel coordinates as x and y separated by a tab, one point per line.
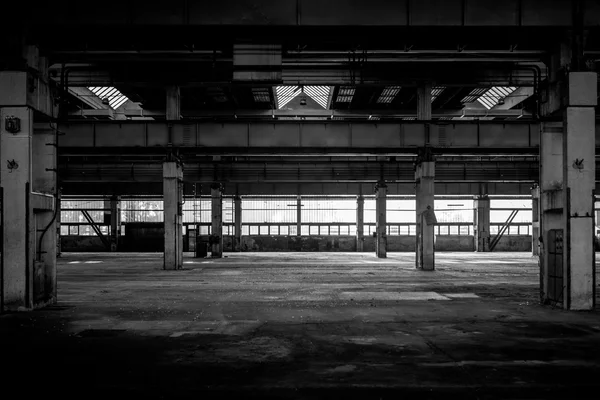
261	95
320	94
490	98
473	95
285	94
115	98
345	94
435	92
388	95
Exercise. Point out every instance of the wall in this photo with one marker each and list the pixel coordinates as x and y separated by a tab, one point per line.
81	244
514	243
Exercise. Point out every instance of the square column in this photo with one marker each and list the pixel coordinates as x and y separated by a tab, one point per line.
238	223
579	176
216	237
173	214
381	220
567	182
112	217
299	215
360	223
28	188
551	209
173	112
425	235
115	222
535	221
481	205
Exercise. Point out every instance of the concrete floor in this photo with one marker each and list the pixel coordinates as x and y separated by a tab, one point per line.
301	325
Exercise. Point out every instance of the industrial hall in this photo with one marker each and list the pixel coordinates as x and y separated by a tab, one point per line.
299	199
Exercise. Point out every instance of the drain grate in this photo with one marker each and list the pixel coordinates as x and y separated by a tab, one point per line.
100	332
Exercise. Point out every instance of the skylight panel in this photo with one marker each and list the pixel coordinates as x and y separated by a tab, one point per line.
115	98
285	94
345	94
491	98
474	95
261	95
436	91
388	95
320	94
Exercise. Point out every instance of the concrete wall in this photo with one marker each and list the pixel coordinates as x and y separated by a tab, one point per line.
150	239
514	243
81	244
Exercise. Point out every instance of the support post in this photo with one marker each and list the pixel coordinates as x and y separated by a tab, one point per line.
535	221
299	215
381	220
238	223
425	234
115	222
173	214
360	223
28	184
567	181
216	237
579	176
481	205
173	111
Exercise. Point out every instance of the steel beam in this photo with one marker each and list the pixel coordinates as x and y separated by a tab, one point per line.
307	13
307	138
315	188
250	113
323	171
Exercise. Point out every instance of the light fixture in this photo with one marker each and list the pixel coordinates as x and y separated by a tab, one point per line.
105	101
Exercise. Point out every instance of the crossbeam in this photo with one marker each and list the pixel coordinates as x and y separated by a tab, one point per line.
306	138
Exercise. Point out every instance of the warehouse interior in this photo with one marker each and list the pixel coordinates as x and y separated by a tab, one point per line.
300	199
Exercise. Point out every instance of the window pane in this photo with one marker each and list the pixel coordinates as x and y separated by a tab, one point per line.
283	230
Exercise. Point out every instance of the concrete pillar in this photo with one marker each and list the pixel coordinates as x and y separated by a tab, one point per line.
173	111
425	234
216	239
115	222
360	223
28	188
424	101
238	223
481	204
579	176
535	221
173	214
381	220
299	215
567	181
112	217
